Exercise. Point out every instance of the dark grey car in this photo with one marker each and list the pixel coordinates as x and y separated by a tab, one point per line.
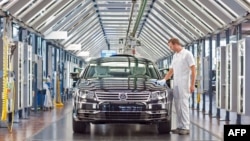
121	89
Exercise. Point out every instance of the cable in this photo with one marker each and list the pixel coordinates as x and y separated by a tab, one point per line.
58	97
13	107
6	86
198	74
5	79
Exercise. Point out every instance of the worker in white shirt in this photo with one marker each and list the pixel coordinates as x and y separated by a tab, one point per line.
183	69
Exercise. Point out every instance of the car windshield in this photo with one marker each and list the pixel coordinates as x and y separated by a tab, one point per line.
121	69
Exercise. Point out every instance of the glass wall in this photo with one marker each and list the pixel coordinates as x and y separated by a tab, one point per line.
1	26
44	50
15	32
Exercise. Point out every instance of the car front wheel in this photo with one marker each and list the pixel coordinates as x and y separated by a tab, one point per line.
164	127
80	126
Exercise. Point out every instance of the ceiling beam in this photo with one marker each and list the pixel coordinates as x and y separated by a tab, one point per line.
100	21
74	19
60	15
146	16
81	29
46	15
36	10
19	5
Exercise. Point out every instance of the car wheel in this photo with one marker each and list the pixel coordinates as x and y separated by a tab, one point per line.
79	126
164	127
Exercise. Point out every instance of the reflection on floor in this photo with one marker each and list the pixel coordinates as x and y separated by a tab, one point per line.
55	125
62	131
210	122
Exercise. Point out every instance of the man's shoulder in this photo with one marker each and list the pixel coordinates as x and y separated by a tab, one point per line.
188	52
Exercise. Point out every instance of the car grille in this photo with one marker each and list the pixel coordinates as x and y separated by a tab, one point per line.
115	96
120	115
123	107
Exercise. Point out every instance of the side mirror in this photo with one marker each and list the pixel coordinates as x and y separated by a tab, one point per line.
74	84
74	76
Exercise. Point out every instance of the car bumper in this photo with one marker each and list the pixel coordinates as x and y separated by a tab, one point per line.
122	112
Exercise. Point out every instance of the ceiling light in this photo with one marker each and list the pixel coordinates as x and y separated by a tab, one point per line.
73	47
83	53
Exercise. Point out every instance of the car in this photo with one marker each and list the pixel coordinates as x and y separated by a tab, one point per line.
121	89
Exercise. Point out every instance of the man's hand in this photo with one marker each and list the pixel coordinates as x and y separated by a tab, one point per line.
161	82
192	87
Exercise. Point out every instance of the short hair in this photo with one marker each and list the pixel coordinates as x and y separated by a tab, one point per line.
174	41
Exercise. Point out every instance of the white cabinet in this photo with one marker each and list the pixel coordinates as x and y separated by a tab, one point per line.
243	85
220	76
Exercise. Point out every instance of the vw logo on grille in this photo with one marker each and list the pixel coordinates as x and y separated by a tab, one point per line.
123	96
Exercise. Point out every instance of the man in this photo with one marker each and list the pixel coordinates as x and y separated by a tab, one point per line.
183	69
48	82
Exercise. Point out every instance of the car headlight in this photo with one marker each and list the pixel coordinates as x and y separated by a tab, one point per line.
156	95
87	94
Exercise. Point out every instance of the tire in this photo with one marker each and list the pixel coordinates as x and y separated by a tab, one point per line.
164	127
79	126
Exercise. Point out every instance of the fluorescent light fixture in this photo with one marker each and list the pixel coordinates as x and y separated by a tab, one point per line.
57	35
73	47
3	2
83	53
88	59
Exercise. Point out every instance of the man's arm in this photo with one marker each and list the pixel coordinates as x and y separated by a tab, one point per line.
193	77
169	74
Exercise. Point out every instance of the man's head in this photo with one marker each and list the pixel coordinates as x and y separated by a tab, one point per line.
174	44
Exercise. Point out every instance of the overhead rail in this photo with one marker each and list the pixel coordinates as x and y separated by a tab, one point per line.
130	19
139	17
100	20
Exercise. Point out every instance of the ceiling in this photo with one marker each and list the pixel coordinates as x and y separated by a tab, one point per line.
106	24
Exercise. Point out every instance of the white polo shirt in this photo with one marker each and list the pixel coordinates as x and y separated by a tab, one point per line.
181	64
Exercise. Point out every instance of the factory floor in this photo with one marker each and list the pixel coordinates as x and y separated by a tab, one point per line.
56	125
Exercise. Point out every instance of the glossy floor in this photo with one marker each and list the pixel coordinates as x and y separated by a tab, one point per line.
56	125
62	131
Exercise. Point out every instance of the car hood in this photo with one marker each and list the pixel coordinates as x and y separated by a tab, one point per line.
127	84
